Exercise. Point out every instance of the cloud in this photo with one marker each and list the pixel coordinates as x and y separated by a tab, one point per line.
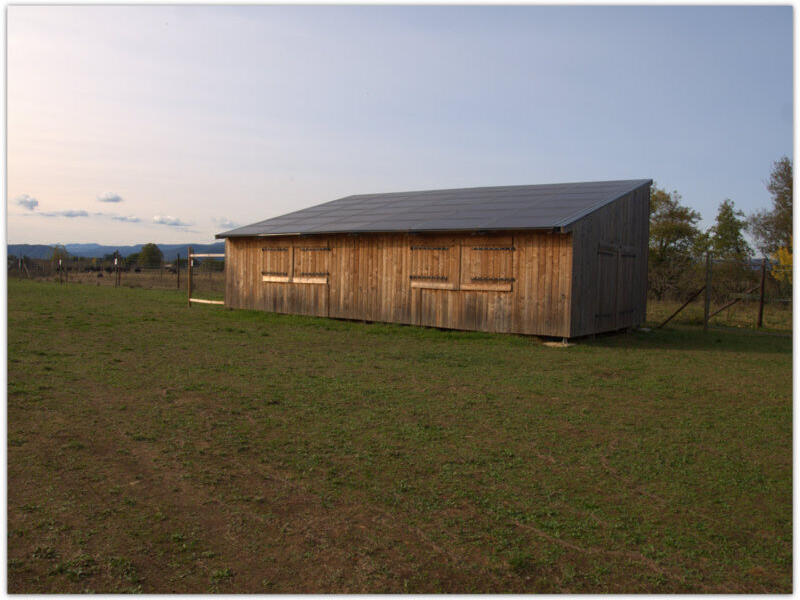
83	213
27	202
224	222
169	221
66	213
109	197
115	217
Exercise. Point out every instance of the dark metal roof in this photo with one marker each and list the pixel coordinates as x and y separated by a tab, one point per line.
484	208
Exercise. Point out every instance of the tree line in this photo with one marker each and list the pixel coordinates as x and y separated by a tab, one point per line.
678	246
149	256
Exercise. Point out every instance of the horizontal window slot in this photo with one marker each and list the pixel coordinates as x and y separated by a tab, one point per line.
429	277
499	279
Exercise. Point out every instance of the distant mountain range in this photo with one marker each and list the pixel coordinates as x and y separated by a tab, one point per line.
98	250
30	250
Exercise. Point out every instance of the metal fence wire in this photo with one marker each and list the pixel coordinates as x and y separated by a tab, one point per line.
749	293
735	292
209	274
208	278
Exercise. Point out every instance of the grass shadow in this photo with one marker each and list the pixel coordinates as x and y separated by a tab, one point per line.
687	337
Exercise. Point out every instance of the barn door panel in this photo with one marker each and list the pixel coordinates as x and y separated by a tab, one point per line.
310	273
625	287
433	265
275	263
616	272
607	284
295	277
341	285
311	263
434	307
487	267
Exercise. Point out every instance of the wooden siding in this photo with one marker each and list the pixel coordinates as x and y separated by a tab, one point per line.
514	282
609	269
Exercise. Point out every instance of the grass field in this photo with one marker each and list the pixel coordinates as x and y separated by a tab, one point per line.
157	448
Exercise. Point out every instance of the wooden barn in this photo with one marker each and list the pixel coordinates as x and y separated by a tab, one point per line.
563	260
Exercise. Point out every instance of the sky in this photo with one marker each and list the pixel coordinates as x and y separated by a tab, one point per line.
168	124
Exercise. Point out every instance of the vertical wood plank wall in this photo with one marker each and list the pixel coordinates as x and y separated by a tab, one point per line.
461	281
609	272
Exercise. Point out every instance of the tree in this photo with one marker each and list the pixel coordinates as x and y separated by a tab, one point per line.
783	256
674	241
673	227
150	256
772	229
59	253
727	239
733	275
701	244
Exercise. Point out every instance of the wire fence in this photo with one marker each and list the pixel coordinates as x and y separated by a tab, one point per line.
749	293
735	292
208	277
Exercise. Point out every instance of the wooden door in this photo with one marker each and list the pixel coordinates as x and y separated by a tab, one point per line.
607	287
310	272
616	271
625	290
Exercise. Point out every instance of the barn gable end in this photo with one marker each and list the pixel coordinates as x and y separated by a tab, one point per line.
609	271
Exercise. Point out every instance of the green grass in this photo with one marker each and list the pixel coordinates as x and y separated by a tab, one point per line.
155	448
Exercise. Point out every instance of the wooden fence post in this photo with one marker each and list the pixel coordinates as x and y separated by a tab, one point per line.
761	298
178	269
189	276
707	307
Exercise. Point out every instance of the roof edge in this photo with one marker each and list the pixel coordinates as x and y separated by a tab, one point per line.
587	211
225	235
